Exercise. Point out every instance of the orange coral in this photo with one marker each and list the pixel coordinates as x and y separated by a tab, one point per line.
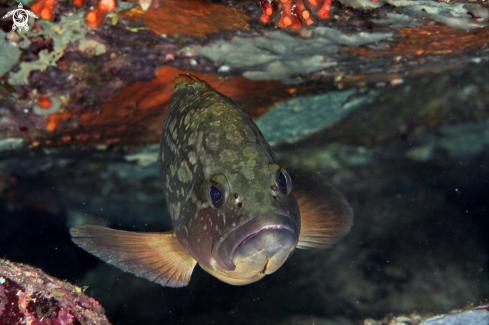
44	101
174	15
57	119
44	8
425	40
293	13
193	17
95	16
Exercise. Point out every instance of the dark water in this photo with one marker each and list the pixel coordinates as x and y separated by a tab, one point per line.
412	164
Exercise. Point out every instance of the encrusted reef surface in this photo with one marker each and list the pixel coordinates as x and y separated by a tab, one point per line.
388	99
31	297
63	82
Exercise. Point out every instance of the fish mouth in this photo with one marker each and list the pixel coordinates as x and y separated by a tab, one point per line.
266	234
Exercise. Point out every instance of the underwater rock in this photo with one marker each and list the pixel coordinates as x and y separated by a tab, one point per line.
81	72
477	316
280	56
473	316
30	296
292	120
9	55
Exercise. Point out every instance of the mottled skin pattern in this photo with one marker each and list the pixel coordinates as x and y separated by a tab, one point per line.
206	134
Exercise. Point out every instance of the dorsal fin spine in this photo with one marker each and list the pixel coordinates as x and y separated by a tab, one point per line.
190	84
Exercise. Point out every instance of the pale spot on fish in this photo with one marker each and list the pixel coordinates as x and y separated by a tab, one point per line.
173	169
192	157
217	111
194	138
212	262
177	211
250	152
172	129
184	173
226	155
250	134
212	141
229	128
232	134
188	118
247	169
205	227
234	137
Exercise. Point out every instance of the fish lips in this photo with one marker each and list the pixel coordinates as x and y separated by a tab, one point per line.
279	229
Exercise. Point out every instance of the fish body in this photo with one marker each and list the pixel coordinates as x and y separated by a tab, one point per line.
235	210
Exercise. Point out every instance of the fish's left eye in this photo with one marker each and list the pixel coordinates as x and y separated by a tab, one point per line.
281	177
284	181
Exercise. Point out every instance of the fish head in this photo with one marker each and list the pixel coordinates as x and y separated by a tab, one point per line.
247	221
263	224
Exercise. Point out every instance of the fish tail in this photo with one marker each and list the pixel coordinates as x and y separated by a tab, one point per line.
187	83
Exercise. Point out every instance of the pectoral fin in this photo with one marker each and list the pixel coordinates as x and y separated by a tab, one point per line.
325	214
158	257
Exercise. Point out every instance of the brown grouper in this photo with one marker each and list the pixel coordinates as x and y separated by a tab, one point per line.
233	206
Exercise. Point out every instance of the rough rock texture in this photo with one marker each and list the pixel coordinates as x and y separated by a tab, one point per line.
60	74
30	296
473	316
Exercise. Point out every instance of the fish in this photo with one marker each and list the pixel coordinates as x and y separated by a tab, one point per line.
235	210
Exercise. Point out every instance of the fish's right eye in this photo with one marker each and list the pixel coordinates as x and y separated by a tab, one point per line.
217	191
215	195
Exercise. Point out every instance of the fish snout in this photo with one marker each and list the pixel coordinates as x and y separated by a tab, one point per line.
264	252
261	245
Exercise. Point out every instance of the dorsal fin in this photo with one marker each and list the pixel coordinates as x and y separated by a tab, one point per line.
187	83
325	215
158	257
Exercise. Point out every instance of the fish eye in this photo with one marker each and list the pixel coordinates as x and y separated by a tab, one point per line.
215	194
282	178
284	181
217	191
